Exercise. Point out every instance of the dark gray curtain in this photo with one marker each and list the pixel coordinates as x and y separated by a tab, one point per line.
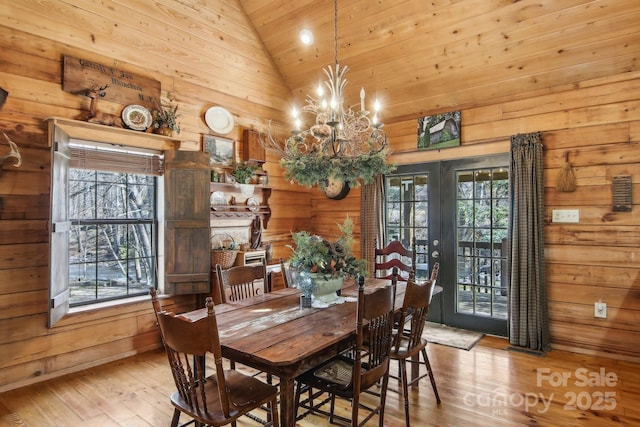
371	220
528	312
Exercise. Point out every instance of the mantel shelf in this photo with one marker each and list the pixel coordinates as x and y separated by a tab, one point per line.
86	131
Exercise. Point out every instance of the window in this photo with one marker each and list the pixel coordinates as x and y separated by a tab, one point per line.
109	196
128	212
112	239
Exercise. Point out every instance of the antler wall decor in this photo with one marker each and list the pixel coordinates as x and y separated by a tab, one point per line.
13	153
3	97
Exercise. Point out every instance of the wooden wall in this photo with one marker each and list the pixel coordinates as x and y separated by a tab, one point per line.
598	123
205	54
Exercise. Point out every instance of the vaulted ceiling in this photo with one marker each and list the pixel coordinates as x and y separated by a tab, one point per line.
431	56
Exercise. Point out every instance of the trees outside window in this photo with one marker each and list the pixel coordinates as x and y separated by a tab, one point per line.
112	239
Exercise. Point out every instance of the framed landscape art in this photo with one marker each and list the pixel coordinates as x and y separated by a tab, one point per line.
220	150
439	131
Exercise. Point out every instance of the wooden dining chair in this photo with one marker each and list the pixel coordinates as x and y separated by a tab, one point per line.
242	281
286	274
348	377
395	254
409	344
213	400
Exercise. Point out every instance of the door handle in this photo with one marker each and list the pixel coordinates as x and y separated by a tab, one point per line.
435	254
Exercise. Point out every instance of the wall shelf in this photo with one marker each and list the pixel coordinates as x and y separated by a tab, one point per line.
86	131
240	209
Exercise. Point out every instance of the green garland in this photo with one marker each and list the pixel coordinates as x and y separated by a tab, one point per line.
309	170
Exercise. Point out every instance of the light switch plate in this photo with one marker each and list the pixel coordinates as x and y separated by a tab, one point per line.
600	310
565	215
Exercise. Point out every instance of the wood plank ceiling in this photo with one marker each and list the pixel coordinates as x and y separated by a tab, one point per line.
422	57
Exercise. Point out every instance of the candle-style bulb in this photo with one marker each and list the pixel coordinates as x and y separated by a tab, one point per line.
294	112
362	99
376	106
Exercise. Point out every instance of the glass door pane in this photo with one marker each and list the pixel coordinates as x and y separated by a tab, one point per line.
407	210
482	219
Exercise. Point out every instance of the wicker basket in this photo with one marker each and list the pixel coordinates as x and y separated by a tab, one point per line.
226	257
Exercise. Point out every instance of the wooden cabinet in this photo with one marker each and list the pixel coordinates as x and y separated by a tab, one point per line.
228	202
253	149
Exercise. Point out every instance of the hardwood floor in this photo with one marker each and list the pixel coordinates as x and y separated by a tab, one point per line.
486	386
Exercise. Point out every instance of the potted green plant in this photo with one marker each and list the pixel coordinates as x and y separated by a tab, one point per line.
318	263
243	172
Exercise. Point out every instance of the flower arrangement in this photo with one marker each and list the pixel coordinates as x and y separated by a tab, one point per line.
316	254
165	117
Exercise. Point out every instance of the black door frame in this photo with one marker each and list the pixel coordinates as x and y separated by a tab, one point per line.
441	225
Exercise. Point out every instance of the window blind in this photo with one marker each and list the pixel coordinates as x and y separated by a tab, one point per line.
96	156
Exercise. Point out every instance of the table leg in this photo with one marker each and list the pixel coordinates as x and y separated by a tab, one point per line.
287	403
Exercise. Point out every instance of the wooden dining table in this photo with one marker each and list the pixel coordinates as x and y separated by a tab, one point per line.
272	333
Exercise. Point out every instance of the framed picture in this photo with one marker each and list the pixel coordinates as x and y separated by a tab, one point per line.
439	131
220	150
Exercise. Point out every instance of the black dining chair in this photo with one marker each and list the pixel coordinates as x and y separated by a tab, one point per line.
349	374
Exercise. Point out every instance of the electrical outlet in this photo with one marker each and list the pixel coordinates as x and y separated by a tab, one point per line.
600	310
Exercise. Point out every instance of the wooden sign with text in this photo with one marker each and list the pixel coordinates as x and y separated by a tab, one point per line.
122	87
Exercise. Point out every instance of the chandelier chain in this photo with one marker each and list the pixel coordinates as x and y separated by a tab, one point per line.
335	31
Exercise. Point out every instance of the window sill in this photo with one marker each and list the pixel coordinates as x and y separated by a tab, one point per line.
110	304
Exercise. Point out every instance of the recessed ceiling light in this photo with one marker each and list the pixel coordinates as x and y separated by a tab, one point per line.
306	37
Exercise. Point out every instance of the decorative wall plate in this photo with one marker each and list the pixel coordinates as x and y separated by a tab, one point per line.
252	204
136	117
218	200
219	120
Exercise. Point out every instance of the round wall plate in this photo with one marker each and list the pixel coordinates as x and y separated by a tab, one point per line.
252	204
136	117
218	200
219	120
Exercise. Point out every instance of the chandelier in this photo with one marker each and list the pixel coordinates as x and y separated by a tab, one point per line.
339	144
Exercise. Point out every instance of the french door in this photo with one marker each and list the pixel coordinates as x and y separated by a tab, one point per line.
457	212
